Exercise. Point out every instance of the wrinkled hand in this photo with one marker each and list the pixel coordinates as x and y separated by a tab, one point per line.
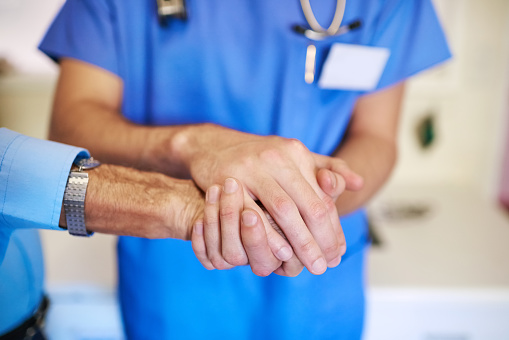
126	201
282	174
224	211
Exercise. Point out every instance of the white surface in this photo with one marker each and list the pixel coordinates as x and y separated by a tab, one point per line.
22	26
444	276
353	67
83	312
69	259
410	314
463	242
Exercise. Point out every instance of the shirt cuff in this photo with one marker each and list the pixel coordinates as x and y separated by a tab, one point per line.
34	174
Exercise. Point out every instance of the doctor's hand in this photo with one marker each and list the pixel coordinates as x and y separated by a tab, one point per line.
224	212
282	174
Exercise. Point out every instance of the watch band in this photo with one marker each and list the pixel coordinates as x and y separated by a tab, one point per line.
74	203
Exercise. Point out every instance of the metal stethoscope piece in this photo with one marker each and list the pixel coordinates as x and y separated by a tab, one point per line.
316	32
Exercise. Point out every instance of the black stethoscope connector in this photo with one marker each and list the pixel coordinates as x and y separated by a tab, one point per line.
320	35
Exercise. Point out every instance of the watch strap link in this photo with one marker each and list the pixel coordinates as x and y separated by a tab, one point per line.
74	203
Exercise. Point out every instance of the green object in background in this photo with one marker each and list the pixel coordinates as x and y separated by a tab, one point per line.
426	131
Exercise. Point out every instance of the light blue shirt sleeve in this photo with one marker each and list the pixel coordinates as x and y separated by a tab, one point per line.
33	175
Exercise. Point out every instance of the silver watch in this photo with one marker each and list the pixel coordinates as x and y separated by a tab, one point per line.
74	196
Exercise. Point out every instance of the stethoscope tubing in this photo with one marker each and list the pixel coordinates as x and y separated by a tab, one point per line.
317	31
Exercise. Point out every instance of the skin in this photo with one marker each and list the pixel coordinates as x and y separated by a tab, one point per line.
87	113
126	201
370	148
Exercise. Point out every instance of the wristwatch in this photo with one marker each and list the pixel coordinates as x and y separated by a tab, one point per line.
74	196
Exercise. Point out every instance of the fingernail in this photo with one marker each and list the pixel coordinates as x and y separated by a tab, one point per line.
230	186
212	194
319	266
198	229
284	254
249	218
333	180
335	262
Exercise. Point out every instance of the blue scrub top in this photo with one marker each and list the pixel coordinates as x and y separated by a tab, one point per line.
238	63
33	175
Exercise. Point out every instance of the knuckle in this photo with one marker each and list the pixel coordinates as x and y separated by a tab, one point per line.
331	251
227	213
282	205
318	211
209	220
329	203
308	247
295	145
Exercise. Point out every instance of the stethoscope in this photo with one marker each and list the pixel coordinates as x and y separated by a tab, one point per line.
315	31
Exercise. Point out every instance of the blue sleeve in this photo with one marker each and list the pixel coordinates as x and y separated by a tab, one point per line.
33	175
83	30
412	32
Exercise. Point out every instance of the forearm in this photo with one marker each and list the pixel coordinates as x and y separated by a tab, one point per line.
125	201
370	148
87	112
371	157
113	139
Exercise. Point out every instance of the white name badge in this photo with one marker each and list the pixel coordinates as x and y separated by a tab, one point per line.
353	67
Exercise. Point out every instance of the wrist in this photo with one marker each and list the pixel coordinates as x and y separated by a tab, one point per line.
184	145
169	149
125	201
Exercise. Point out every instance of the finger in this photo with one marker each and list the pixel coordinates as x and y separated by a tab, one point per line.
330	182
302	186
330	203
211	228
198	244
278	244
353	181
254	238
286	214
290	268
231	204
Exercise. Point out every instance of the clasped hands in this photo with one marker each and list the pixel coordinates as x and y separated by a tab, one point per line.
297	188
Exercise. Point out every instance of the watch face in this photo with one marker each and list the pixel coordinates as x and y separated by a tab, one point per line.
87	163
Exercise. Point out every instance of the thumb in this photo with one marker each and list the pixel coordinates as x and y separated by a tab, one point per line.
353	181
331	183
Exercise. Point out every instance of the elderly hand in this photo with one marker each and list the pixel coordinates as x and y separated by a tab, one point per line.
282	174
224	212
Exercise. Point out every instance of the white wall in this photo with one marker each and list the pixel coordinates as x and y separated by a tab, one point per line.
22	25
467	95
